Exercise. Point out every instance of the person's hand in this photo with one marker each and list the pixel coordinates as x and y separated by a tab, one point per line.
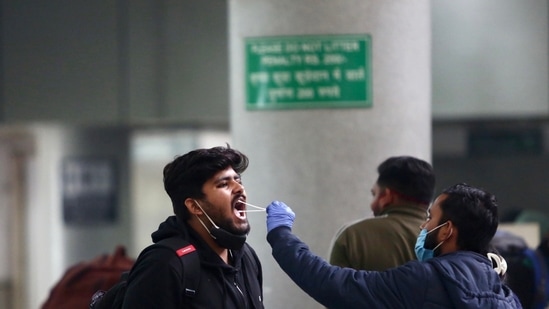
279	214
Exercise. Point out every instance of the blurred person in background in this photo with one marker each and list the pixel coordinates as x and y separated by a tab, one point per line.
404	189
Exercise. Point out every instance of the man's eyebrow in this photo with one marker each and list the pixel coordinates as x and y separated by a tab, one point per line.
226	178
222	178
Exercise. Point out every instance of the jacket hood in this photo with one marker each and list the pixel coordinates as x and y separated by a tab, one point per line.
175	227
171	227
472	286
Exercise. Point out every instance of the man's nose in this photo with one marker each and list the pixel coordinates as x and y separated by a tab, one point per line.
239	187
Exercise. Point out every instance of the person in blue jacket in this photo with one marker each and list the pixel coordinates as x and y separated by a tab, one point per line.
455	268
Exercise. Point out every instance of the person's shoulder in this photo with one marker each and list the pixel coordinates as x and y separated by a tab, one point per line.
369	222
459	262
358	226
153	263
155	255
418	269
162	252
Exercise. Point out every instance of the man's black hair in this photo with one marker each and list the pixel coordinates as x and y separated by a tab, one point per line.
413	179
186	174
474	212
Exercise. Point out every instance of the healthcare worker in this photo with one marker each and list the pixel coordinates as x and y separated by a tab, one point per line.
455	269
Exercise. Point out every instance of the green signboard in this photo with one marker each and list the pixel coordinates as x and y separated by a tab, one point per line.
328	71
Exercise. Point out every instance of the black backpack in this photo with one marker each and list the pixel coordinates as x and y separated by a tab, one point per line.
526	270
190	268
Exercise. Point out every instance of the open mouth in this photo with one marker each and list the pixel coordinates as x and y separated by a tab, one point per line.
239	208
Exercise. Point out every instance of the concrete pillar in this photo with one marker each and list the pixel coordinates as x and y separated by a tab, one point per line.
322	161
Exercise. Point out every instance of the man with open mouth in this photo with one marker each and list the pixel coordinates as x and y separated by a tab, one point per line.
209	202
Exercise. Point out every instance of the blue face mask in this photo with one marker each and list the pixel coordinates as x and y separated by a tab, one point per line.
422	253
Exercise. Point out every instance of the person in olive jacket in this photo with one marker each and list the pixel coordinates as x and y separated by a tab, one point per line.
208	199
455	268
404	188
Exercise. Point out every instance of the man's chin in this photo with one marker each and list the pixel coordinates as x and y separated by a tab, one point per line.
245	230
240	229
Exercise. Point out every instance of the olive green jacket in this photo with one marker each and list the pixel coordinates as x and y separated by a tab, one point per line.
381	242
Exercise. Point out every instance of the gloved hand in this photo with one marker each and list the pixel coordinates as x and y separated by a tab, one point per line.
279	214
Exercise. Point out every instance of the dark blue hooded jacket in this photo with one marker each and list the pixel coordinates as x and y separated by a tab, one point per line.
462	279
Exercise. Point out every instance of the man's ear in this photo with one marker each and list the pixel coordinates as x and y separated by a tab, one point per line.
192	206
448	231
386	197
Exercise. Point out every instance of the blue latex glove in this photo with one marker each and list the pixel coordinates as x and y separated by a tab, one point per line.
279	214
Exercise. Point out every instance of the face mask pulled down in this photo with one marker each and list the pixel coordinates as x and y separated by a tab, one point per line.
221	236
422	253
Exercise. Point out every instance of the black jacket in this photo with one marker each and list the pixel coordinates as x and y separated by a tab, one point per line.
154	281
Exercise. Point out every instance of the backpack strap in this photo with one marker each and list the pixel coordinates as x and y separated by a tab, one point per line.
190	270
